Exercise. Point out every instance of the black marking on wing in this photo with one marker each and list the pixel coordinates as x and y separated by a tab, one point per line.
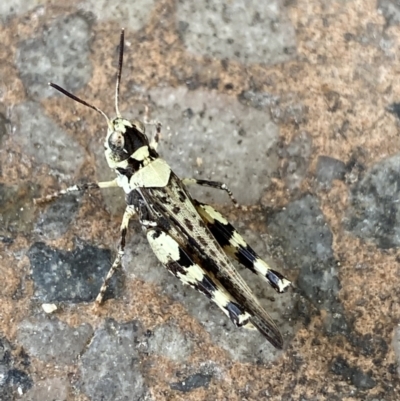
182	196
176	209
184	259
224	233
165	199
175	268
235	311
189	224
203	242
274	278
246	256
155	234
206	287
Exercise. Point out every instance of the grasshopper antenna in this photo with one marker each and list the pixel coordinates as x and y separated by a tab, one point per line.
77	99
120	61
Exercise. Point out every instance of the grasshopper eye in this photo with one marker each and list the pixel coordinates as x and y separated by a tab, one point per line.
116	141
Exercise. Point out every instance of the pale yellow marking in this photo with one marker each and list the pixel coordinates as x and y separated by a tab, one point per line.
108	184
285	283
195	272
222	298
189	181
164	247
120	125
154	175
141	153
262	267
213	214
238	239
243	317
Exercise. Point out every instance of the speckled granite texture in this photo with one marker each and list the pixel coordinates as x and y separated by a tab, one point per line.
295	105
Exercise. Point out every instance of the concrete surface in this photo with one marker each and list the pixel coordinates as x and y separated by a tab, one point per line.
295	105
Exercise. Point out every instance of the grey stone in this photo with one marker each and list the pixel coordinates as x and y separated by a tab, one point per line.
70	276
133	15
17	382
43	140
60	55
55	220
16	211
9	9
3	127
390	9
50	389
297	159
306	242
212	136
169	341
13	381
259	100
192	382
289	110
374	213
110	368
360	379
394	108
303	232
329	169
230	31
51	340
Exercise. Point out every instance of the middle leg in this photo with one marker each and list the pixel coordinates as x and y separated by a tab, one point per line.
211	184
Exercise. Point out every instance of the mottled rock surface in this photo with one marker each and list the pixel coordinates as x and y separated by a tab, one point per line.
295	106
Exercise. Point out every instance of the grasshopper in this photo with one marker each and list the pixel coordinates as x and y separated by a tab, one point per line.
191	239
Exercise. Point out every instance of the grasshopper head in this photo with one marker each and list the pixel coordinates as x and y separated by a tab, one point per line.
124	138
